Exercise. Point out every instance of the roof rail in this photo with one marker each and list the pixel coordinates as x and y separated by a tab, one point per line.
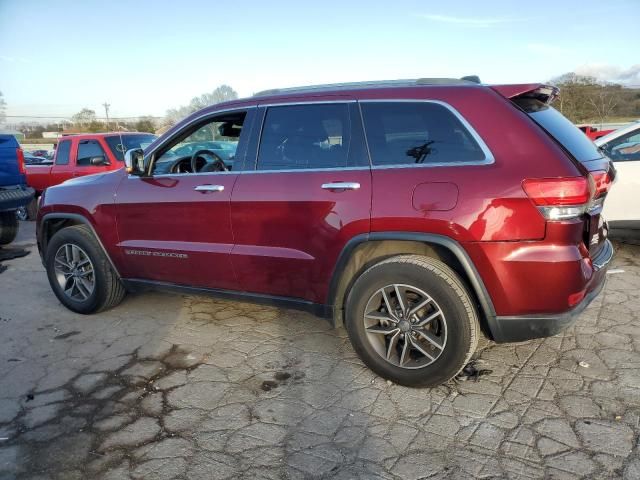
469	80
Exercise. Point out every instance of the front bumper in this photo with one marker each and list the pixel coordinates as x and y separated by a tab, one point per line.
524	327
15	196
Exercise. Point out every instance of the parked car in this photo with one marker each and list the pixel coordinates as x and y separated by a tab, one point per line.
622	209
40	153
594	132
80	155
417	213
14	192
33	160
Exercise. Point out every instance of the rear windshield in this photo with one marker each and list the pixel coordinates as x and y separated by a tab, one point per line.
560	128
120	144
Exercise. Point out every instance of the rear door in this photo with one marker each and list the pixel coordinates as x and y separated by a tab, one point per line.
309	192
174	225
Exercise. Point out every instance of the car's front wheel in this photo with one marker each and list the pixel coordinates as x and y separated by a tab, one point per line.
412	321
80	273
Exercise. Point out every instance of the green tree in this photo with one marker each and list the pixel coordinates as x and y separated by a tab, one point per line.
145	124
84	117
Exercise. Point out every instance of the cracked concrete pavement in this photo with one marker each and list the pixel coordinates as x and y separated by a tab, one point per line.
168	386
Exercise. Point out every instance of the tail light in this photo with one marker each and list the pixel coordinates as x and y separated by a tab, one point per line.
20	155
568	197
602	183
560	198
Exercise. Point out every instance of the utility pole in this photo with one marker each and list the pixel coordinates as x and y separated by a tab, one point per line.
106	112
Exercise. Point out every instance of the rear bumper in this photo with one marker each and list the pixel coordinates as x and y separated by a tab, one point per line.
524	327
13	197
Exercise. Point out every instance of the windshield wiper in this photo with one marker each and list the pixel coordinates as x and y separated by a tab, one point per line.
421	151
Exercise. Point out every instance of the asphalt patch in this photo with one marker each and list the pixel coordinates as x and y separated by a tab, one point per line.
66	335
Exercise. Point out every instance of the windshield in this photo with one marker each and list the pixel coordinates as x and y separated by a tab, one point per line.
120	144
560	128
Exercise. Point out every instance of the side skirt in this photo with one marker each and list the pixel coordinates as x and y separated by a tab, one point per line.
317	309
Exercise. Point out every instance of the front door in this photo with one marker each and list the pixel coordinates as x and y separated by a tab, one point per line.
309	193
174	226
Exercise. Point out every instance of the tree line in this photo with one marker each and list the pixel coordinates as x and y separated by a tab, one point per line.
584	99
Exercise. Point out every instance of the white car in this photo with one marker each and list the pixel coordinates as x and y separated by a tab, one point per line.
622	207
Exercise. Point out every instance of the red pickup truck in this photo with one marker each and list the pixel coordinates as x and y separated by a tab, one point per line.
85	154
592	132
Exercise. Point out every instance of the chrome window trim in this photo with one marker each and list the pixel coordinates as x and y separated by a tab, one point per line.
488	155
488	160
249	172
293	170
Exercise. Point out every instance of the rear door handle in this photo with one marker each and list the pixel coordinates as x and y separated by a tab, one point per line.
341	186
209	188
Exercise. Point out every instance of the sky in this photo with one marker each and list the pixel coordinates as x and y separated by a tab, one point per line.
143	57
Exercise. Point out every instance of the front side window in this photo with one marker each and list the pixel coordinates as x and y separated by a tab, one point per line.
88	149
62	152
305	137
625	148
209	146
119	144
414	133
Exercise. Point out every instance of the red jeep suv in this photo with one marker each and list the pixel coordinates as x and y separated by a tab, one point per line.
417	213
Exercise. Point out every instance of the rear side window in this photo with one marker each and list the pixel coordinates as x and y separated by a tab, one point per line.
560	128
62	152
87	149
414	133
305	137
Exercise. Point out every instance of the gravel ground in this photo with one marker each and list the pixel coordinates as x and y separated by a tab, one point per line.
169	386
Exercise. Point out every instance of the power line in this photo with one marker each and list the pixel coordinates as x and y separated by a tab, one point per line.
69	116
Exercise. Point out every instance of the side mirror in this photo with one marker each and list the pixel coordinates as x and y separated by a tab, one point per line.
134	162
98	161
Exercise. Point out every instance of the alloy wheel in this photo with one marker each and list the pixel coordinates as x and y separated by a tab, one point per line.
74	272
405	326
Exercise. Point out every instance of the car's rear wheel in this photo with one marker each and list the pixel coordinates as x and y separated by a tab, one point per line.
412	321
8	227
80	273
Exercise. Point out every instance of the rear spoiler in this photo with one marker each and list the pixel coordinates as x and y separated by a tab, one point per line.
539	91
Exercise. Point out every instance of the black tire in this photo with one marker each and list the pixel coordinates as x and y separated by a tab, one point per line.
8	227
32	209
108	290
444	286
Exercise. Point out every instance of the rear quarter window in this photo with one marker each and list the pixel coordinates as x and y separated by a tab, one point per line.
560	128
415	133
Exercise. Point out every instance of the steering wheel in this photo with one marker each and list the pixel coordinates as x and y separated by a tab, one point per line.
217	165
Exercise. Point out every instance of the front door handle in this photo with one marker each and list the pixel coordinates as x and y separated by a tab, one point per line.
209	188
341	186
